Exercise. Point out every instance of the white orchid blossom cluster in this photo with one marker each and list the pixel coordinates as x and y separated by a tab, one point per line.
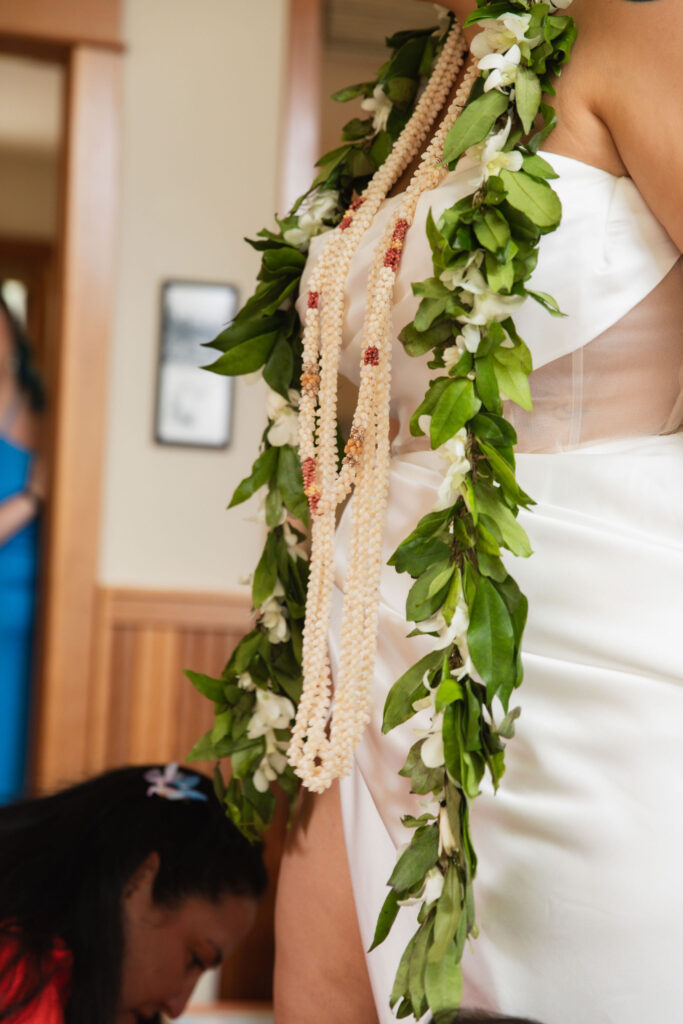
492	155
284	418
273	616
497	48
272	713
380	106
453	453
485	304
312	215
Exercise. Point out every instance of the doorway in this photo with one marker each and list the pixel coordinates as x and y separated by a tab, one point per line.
60	65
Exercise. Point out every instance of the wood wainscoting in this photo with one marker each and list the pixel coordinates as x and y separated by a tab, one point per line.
143	709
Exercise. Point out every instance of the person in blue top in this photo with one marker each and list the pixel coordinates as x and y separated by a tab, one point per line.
22	486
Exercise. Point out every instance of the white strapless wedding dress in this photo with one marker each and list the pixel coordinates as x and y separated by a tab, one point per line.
579	892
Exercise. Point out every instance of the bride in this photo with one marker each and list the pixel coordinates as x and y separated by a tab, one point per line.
578	888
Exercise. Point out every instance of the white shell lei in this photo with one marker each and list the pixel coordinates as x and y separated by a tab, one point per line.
323	743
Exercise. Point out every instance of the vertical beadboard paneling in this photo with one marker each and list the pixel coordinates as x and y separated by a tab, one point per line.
143	708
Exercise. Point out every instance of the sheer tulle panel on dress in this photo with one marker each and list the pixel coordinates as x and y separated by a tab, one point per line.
627	382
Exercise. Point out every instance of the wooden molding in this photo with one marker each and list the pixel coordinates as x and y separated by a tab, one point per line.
78	407
301	121
61	22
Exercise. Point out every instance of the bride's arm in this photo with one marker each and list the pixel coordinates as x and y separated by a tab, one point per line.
639	95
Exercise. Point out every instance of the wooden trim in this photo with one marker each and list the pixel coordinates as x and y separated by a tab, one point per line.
142	641
301	121
185	609
78	408
65	23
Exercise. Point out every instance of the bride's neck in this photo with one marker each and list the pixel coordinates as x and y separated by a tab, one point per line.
460	8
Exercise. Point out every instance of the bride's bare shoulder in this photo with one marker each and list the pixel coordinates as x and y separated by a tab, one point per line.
635	85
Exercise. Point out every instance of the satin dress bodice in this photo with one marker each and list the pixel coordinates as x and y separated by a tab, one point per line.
611	267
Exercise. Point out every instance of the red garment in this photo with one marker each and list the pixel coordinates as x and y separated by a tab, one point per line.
48	1006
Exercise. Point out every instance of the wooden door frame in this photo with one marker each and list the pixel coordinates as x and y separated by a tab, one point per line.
85	39
300	144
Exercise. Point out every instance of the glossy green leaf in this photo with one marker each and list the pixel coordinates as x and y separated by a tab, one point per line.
448	911
456	405
277	372
207	686
534	198
527	96
245	358
398	707
262	471
387	916
514	384
203	750
443	984
265	574
415	862
492	230
474	124
490	636
423	599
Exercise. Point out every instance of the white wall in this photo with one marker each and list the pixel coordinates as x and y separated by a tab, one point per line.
202	86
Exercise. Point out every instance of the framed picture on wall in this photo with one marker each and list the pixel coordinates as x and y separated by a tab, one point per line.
193	407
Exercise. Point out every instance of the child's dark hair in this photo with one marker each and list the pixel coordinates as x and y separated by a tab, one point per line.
65	860
28	378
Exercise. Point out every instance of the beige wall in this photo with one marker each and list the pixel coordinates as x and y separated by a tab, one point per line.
342	68
202	88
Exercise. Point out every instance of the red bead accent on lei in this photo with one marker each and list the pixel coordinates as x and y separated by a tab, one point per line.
346	222
392	258
308	471
356	204
371	356
401	230
313	298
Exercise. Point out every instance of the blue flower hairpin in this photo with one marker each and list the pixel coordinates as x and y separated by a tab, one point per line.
172	784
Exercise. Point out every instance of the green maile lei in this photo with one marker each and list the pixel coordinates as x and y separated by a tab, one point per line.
484	250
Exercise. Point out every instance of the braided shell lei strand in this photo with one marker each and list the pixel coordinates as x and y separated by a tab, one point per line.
317	758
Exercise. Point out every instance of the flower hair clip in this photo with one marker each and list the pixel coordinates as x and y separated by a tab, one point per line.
172	784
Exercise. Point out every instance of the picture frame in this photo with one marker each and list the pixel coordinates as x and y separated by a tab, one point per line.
193	407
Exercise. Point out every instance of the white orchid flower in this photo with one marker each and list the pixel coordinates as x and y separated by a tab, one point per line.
312	218
500	34
431	751
490	154
467	341
272	712
272	765
468	276
295	547
273	615
453	452
284	418
503	68
259	515
380	106
448	844
245	682
491	306
434	882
